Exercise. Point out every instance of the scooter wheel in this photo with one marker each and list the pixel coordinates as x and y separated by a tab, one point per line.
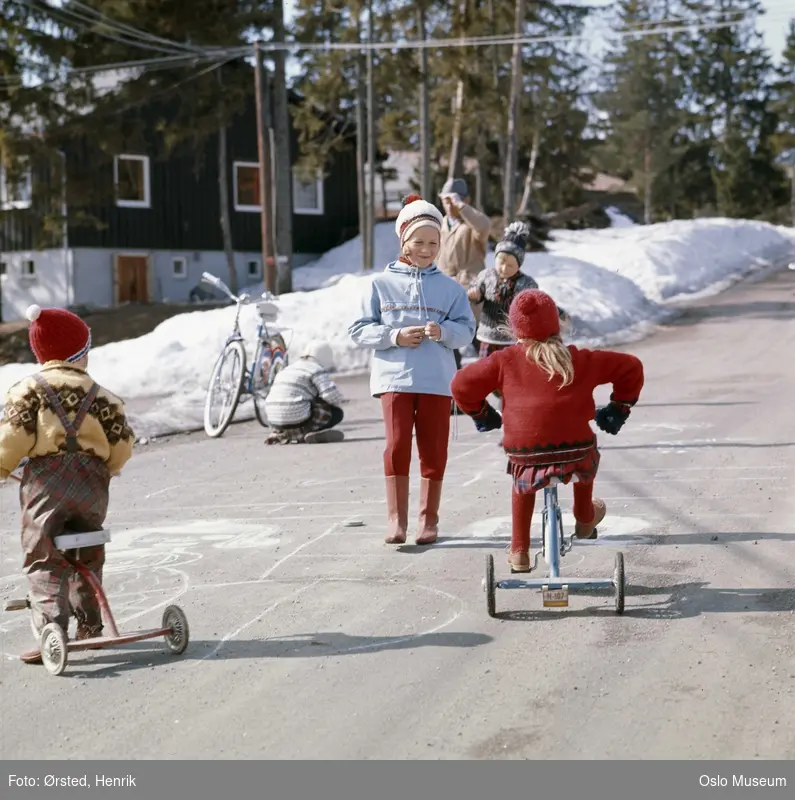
620	583
175	619
54	650
491	600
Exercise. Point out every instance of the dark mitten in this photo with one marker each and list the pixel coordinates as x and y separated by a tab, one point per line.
611	418
487	418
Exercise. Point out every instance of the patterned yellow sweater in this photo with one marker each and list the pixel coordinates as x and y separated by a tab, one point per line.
30	428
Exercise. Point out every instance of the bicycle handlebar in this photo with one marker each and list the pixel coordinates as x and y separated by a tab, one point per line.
217	283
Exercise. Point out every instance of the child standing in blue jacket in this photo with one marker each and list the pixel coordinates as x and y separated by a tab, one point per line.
414	318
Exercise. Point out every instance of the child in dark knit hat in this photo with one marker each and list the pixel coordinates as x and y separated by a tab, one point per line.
74	435
547	389
497	286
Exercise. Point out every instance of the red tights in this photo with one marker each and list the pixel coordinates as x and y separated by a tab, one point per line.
429	414
522	506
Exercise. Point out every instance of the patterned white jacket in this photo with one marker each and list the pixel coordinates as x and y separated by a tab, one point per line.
295	388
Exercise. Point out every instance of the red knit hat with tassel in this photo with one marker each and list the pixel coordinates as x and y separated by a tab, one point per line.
57	335
534	316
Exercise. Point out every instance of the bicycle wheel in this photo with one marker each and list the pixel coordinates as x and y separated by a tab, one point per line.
226	383
274	360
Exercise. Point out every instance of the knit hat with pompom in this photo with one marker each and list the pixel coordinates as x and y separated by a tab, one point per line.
416	213
514	241
56	334
534	316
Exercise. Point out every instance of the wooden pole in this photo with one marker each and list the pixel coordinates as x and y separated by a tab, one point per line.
370	143
282	157
361	157
264	155
425	125
509	168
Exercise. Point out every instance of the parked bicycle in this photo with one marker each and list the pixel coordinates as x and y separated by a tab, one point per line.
232	381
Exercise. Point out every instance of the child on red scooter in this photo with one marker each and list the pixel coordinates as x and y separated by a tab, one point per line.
547	390
75	436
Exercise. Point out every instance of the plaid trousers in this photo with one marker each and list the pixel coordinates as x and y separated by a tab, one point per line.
62	492
324	416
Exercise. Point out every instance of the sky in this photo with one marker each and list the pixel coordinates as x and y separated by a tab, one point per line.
773	25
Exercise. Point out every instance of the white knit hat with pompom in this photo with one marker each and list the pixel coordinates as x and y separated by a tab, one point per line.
416	213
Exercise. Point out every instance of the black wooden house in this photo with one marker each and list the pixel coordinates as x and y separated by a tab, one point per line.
155	226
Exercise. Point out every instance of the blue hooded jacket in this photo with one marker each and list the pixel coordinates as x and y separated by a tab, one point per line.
404	296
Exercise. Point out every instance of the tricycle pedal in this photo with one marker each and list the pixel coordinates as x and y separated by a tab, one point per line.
17	605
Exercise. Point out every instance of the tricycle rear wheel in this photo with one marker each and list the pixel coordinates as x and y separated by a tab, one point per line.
620	582
491	599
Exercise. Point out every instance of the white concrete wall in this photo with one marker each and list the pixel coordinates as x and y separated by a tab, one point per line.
93	277
47	287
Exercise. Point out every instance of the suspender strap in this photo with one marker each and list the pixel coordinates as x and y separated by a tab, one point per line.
71	428
88	401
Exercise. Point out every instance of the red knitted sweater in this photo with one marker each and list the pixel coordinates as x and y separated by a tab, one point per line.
537	415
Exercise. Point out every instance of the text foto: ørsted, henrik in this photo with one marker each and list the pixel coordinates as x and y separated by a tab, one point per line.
104	781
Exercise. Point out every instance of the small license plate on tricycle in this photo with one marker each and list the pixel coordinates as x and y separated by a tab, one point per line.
555	598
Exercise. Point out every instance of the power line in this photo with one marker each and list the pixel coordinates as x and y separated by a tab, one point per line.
481	41
123	26
214	53
149	63
78	21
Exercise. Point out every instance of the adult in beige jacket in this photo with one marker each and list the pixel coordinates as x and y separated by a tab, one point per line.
465	235
465	239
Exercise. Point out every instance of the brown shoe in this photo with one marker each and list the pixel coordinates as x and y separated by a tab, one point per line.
397	504
519	562
430	499
86	632
31	657
587	530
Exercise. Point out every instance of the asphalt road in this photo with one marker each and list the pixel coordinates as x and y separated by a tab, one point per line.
313	639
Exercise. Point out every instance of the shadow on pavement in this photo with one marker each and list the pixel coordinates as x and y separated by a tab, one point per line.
685	600
695	446
758	309
699	405
302	645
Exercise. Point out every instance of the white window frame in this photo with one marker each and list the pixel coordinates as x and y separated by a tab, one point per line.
315	212
27	177
30	277
147	201
5	269
179	275
258	273
238	207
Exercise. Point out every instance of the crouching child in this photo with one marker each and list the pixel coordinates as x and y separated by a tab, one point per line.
303	404
75	436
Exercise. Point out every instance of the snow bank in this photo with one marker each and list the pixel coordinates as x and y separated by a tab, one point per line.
615	283
672	259
617	218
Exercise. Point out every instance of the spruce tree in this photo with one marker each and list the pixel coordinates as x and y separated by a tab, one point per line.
783	93
639	102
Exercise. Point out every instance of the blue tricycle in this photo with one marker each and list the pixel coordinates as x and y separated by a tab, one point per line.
554	587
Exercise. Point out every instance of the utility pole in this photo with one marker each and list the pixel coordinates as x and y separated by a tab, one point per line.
425	131
282	158
509	169
264	155
370	143
361	147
